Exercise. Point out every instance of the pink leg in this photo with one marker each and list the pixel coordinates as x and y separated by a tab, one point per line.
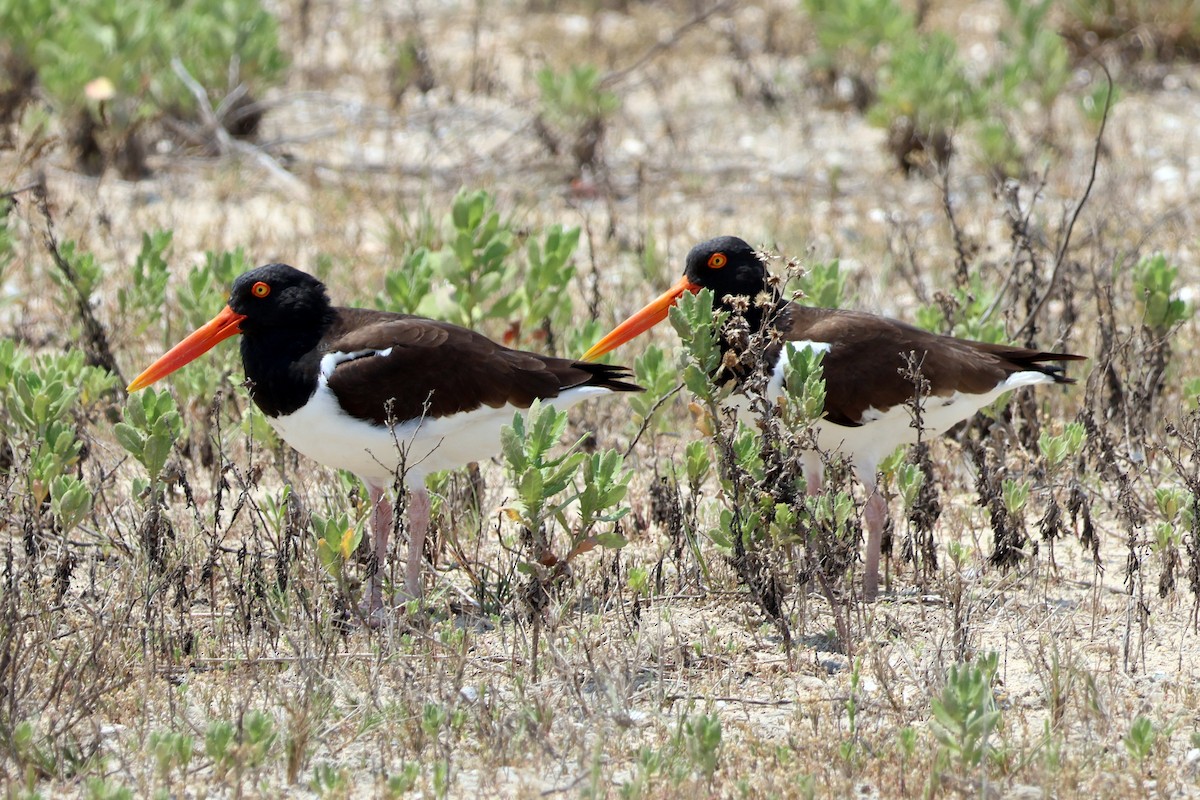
875	516
419	509
381	527
814	473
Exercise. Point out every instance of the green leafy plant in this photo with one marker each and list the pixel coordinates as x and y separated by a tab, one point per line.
108	66
1037	64
576	95
912	82
70	501
1102	96
542	481
172	752
220	744
203	291
206	287
144	296
965	312
240	748
337	539
405	288
543	299
331	781
42	400
654	371
475	262
1166	30
1016	496
1154	281
151	426
478	260
575	106
404	781
103	789
857	32
965	714
804	386
909	480
30	751
647	769
697	463
703	736
1056	449
538	476
924	95
78	284
823	285
1140	740
692	318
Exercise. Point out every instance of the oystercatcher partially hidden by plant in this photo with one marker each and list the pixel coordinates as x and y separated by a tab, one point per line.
866	358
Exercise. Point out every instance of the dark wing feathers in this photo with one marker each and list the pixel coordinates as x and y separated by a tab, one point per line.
438	369
865	366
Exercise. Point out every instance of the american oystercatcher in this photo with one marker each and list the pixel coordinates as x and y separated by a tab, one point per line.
868	397
378	393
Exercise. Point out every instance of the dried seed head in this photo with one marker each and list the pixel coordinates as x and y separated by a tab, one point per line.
738	303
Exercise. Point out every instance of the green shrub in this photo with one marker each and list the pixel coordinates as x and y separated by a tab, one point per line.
575	106
1158	29
546	485
1154	284
488	275
855	31
924	95
914	84
106	66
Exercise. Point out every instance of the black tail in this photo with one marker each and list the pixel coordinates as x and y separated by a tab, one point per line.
1036	361
608	376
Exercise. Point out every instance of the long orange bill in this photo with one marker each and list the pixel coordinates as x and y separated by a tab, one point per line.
654	313
220	328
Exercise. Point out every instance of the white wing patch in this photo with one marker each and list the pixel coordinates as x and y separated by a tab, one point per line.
330	361
775	385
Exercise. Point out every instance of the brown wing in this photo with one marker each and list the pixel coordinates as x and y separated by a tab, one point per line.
865	365
450	368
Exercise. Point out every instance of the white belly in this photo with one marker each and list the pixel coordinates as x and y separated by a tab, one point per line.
322	431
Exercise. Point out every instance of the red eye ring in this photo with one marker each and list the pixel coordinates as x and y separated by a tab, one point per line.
260	289
717	260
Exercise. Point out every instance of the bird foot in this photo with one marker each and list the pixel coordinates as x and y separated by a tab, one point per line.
372	618
373	612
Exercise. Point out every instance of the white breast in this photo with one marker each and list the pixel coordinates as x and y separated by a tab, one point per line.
324	432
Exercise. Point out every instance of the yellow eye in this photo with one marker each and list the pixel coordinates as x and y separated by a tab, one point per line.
260	289
717	260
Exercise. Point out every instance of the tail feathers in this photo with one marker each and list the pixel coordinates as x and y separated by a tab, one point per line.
1038	361
607	376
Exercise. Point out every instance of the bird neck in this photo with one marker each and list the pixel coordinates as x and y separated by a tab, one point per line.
282	365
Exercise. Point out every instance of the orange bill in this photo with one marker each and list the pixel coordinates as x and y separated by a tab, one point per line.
220	328
654	313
